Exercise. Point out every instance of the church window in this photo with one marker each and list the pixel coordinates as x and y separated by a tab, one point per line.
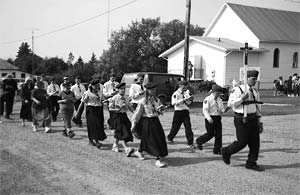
276	58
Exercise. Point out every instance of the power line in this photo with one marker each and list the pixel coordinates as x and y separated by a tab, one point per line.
72	25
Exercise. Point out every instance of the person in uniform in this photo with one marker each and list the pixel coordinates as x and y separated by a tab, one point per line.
153	139
9	90
181	100
26	90
120	105
249	128
136	90
109	90
78	89
213	109
53	91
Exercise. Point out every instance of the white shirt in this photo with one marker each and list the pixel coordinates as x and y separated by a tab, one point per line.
212	106
134	93
177	99
53	89
235	100
78	90
109	88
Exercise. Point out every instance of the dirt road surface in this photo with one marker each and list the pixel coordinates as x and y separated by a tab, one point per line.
40	163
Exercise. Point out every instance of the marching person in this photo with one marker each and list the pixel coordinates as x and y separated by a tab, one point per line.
66	80
40	111
109	90
78	89
9	90
25	113
1	94
67	99
153	140
53	91
181	99
249	128
94	114
213	109
136	90
120	105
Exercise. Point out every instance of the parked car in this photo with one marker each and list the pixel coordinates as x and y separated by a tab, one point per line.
166	83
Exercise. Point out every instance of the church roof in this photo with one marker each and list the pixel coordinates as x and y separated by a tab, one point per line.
4	65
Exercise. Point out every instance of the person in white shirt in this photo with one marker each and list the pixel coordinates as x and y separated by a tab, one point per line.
66	80
181	99
213	110
136	90
109	90
247	128
53	91
78	89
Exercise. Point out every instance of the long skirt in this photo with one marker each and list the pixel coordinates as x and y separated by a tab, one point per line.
153	138
122	127
67	114
41	117
95	123
25	112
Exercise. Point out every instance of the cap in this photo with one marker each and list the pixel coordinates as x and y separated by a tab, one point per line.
252	73
216	88
66	77
120	85
183	82
150	85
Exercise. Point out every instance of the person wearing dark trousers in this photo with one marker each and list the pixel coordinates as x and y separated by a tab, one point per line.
247	128
7	99
213	109
53	90
181	99
78	89
136	90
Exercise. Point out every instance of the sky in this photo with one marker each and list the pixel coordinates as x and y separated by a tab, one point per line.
82	26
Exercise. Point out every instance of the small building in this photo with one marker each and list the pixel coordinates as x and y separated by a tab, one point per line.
8	68
274	36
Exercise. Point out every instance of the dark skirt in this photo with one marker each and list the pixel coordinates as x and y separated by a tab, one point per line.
95	123
67	114
25	112
153	137
122	127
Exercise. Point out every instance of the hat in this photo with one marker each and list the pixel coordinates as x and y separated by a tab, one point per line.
150	85
252	73
216	88
183	82
66	77
140	75
120	85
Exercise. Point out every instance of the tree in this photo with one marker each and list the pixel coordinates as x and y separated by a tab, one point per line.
52	66
79	63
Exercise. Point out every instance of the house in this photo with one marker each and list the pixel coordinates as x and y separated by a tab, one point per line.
274	36
8	68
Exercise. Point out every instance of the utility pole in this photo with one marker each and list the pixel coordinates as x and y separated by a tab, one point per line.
108	12
32	47
186	38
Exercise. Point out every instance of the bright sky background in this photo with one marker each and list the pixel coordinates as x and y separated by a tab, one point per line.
19	17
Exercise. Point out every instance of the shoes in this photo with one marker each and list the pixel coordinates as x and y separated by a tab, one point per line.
115	148
139	155
192	147
160	164
254	167
23	124
91	143
225	156
129	151
217	152
7	117
170	141
34	128
199	146
47	129
71	134
64	133
1	121
98	145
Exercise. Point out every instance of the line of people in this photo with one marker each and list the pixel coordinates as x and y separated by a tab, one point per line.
41	106
289	87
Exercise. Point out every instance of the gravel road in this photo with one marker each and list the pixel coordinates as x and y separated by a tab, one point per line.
40	163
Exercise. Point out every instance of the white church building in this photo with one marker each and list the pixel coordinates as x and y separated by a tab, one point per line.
274	36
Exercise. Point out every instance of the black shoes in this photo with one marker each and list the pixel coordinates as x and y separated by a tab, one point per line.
217	152
254	167
98	145
71	134
225	156
64	133
92	143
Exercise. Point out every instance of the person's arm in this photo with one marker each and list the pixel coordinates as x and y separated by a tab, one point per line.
137	115
175	100
236	98
205	110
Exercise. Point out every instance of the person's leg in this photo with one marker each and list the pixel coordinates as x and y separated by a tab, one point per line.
188	128
56	107
218	135
176	123
206	136
9	105
115	147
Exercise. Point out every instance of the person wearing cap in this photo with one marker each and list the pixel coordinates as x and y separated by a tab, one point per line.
25	93
249	128
9	89
136	90
78	89
94	114
66	80
40	110
109	90
53	90
67	99
213	109
181	99
120	105
153	139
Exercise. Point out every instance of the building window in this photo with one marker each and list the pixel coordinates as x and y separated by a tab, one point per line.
14	75
276	58
23	75
295	60
4	75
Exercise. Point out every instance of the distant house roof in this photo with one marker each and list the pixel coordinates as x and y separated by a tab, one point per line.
267	24
222	44
4	65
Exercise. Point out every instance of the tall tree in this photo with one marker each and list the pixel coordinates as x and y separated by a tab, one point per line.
79	63
52	66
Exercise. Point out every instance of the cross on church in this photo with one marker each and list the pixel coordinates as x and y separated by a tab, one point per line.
245	50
